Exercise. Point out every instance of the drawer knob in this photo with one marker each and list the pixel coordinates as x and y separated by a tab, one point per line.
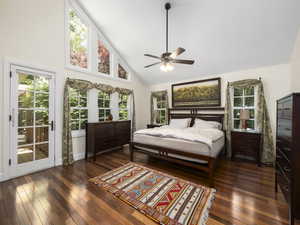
286	169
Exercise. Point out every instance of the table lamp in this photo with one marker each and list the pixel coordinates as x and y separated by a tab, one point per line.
244	116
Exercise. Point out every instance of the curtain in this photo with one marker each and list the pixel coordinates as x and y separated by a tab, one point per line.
262	118
153	100
67	148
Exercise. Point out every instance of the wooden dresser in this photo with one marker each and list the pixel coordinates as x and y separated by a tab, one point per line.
288	152
103	136
246	144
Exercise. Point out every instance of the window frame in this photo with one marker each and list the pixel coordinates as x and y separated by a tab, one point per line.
254	107
79	132
94	34
104	108
157	109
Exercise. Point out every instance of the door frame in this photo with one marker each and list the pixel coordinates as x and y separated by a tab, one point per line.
6	136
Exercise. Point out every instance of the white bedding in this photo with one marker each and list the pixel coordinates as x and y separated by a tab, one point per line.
208	142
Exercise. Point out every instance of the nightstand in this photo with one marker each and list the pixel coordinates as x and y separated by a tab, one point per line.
246	144
152	126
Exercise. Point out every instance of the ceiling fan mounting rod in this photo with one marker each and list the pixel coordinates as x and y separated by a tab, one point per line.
167	7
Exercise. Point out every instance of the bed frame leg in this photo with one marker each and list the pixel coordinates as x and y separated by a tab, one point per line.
131	151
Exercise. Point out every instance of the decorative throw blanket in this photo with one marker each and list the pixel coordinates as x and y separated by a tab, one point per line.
203	135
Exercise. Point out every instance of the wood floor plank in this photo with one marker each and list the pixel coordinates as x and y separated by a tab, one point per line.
64	196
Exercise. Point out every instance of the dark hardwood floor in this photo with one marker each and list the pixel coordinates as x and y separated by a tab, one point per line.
245	195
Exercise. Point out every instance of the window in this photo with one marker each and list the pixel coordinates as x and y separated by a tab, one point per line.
122	73
161	109
103	58
123	107
78	32
244	98
104	105
79	109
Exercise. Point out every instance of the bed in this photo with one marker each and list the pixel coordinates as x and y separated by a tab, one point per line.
180	147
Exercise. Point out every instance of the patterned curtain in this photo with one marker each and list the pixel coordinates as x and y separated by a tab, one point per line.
262	117
155	95
67	148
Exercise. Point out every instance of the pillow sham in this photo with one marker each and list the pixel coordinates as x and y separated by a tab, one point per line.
179	123
199	123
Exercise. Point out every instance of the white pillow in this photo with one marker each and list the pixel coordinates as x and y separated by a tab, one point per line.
179	123
207	124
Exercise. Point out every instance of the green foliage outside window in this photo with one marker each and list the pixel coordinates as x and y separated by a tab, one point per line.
79	111
123	107
161	110
104	105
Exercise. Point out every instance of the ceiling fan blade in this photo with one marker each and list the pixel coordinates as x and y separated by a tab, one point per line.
177	52
152	56
183	61
153	64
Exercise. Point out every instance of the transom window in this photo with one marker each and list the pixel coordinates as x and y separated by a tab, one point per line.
122	73
78	32
103	58
104	102
79	109
123	107
244	98
161	109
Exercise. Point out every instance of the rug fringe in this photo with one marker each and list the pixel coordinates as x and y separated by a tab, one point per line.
205	215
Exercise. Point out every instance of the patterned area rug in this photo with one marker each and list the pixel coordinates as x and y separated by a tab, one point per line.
163	198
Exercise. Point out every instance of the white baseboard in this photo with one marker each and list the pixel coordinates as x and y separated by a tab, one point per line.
1	177
79	156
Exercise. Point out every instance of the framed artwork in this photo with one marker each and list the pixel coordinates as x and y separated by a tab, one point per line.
201	93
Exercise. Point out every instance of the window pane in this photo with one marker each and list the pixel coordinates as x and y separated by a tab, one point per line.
106	103
75	125
25	118
101	112
249	101
41	151
41	100
26	82
41	117
83	114
238	91
83	124
78	40
252	113
249	91
122	73
103	58
100	103
250	124
236	124
25	99
83	94
41	84
83	102
74	101
74	114
25	154
238	102
41	134
236	113
25	136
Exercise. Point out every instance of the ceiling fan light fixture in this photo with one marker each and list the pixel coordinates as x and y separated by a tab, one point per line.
166	67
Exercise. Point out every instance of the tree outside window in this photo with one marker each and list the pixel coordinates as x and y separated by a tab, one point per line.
161	110
104	105
103	58
123	107
122	73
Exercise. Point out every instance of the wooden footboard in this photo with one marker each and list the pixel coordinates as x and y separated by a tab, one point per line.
163	153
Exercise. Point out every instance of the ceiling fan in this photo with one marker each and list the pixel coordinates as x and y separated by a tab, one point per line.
168	58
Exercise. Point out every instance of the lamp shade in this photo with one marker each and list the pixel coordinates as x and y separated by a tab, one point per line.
244	114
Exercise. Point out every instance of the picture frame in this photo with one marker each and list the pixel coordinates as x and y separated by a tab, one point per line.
200	93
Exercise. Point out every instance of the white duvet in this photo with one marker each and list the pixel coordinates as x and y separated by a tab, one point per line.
201	135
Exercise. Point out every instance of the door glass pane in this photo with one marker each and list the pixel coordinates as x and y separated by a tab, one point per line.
41	134
25	136
25	154
41	100
25	99
26	82
42	84
25	118
41	117
41	151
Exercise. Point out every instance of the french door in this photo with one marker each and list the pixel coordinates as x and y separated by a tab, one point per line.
31	121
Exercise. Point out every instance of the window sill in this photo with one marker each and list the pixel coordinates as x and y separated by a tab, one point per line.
95	74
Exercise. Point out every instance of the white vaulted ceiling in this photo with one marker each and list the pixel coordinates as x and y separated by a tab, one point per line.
220	35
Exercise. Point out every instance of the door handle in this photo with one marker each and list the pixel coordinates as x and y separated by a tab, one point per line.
52	125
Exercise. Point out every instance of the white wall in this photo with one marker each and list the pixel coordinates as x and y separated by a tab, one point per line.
295	66
276	80
32	31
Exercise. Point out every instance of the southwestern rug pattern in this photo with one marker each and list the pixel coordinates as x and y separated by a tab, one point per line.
162	197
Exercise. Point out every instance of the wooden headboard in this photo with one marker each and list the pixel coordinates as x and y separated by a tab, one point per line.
193	113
